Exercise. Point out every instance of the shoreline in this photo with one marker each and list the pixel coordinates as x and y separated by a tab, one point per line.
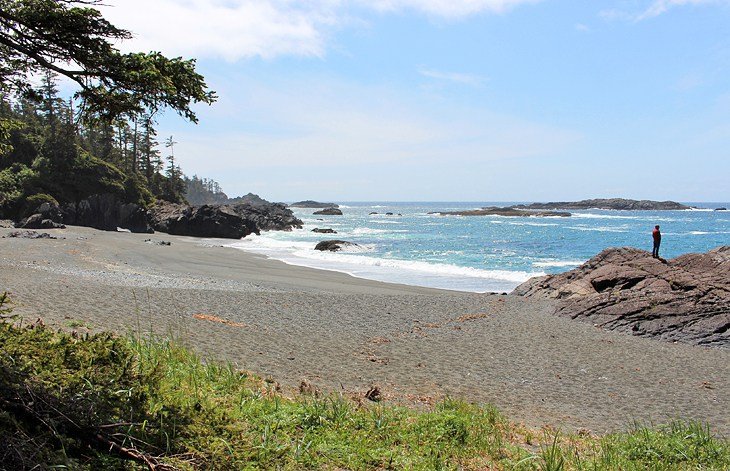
339	332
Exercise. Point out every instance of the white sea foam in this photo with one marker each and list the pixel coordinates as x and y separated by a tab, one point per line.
419	273
601	216
557	263
367	231
597	229
385	222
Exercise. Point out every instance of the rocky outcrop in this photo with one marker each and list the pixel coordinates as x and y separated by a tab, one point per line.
722	208
268	216
508	211
313	204
609	203
329	212
224	221
334	245
106	212
324	231
31	235
201	221
37	221
685	299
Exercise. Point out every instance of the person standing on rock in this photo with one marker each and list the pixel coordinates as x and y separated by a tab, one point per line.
657	236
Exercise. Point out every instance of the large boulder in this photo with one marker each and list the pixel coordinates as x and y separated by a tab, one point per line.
685	299
225	221
37	221
324	231
107	212
200	221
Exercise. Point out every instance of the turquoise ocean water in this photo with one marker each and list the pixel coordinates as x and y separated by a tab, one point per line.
481	253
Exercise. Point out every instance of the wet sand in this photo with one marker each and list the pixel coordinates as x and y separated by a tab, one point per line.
339	333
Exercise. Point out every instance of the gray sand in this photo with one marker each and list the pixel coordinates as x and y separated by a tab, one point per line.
339	332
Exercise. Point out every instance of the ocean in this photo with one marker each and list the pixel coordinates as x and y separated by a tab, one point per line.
481	253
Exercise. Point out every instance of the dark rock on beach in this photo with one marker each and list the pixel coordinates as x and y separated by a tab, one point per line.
201	221
37	221
30	235
313	204
329	212
324	231
106	212
685	299
225	221
508	211
609	203
334	245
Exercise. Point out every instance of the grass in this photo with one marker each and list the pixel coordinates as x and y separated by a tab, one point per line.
67	400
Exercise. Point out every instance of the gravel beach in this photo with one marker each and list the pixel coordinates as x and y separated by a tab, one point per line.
338	332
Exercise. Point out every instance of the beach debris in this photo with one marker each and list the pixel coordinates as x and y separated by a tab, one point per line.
158	242
373	394
30	235
307	388
211	318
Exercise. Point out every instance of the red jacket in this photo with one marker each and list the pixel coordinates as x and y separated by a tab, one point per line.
656	235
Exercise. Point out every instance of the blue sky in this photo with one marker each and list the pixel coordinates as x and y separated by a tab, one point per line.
460	100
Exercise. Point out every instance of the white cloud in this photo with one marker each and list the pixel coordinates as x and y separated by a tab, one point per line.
655	8
237	29
461	78
448	8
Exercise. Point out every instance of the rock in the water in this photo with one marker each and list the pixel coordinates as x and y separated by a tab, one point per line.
268	216
334	245
609	203
106	212
685	299
329	212
721	208
324	231
508	211
313	204
372	213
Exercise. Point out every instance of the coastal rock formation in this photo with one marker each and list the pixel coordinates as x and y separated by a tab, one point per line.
30	235
334	245
313	204
610	203
201	221
225	221
329	212
685	299
37	221
508	211
268	216
106	212
324	231
722	208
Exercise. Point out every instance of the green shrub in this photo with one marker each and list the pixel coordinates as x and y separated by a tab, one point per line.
16	181
33	202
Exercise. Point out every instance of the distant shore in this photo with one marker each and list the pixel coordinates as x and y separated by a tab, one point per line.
336	331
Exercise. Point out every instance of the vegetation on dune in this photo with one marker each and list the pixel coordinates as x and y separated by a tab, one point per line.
105	402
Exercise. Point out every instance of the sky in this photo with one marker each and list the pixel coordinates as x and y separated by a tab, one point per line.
450	100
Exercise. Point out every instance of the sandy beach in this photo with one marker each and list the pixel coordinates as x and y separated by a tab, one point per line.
338	332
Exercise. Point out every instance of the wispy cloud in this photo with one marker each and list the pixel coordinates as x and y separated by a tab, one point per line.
239	29
456	77
655	8
582	28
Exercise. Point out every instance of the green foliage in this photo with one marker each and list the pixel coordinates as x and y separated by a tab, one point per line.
41	35
32	202
16	182
160	399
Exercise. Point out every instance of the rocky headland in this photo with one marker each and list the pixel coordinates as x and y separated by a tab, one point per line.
609	203
684	299
313	204
506	211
